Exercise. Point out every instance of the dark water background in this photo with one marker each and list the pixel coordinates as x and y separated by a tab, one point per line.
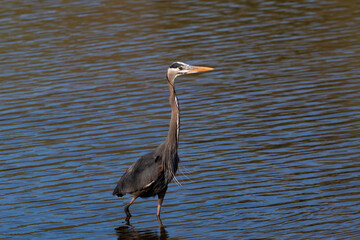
269	140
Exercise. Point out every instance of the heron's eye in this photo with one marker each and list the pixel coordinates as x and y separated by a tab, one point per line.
181	68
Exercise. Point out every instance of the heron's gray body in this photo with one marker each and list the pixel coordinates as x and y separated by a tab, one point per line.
146	177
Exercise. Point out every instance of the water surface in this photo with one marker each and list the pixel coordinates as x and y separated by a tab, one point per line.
269	140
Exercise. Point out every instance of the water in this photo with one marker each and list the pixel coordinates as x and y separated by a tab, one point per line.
269	140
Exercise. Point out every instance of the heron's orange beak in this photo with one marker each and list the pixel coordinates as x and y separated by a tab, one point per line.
195	69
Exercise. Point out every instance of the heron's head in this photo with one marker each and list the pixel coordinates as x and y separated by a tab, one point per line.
180	68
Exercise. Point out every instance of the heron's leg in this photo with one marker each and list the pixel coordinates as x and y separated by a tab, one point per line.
126	209
161	197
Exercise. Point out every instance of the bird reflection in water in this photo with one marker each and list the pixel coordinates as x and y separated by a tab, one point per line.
150	175
129	232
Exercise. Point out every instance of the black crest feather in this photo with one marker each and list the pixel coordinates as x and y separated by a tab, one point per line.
176	65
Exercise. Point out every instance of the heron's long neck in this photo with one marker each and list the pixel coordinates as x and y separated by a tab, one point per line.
173	134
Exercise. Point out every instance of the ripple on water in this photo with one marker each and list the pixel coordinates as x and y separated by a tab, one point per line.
268	141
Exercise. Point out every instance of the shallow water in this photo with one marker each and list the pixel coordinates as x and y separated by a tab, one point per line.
269	140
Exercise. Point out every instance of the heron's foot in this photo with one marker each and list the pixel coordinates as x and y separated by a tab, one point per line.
126	210
128	215
127	221
159	220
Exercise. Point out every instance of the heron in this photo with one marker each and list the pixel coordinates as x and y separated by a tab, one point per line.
150	174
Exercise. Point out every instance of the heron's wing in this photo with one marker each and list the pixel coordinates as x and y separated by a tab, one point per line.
139	175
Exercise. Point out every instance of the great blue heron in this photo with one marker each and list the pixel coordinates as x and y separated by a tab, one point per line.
151	173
